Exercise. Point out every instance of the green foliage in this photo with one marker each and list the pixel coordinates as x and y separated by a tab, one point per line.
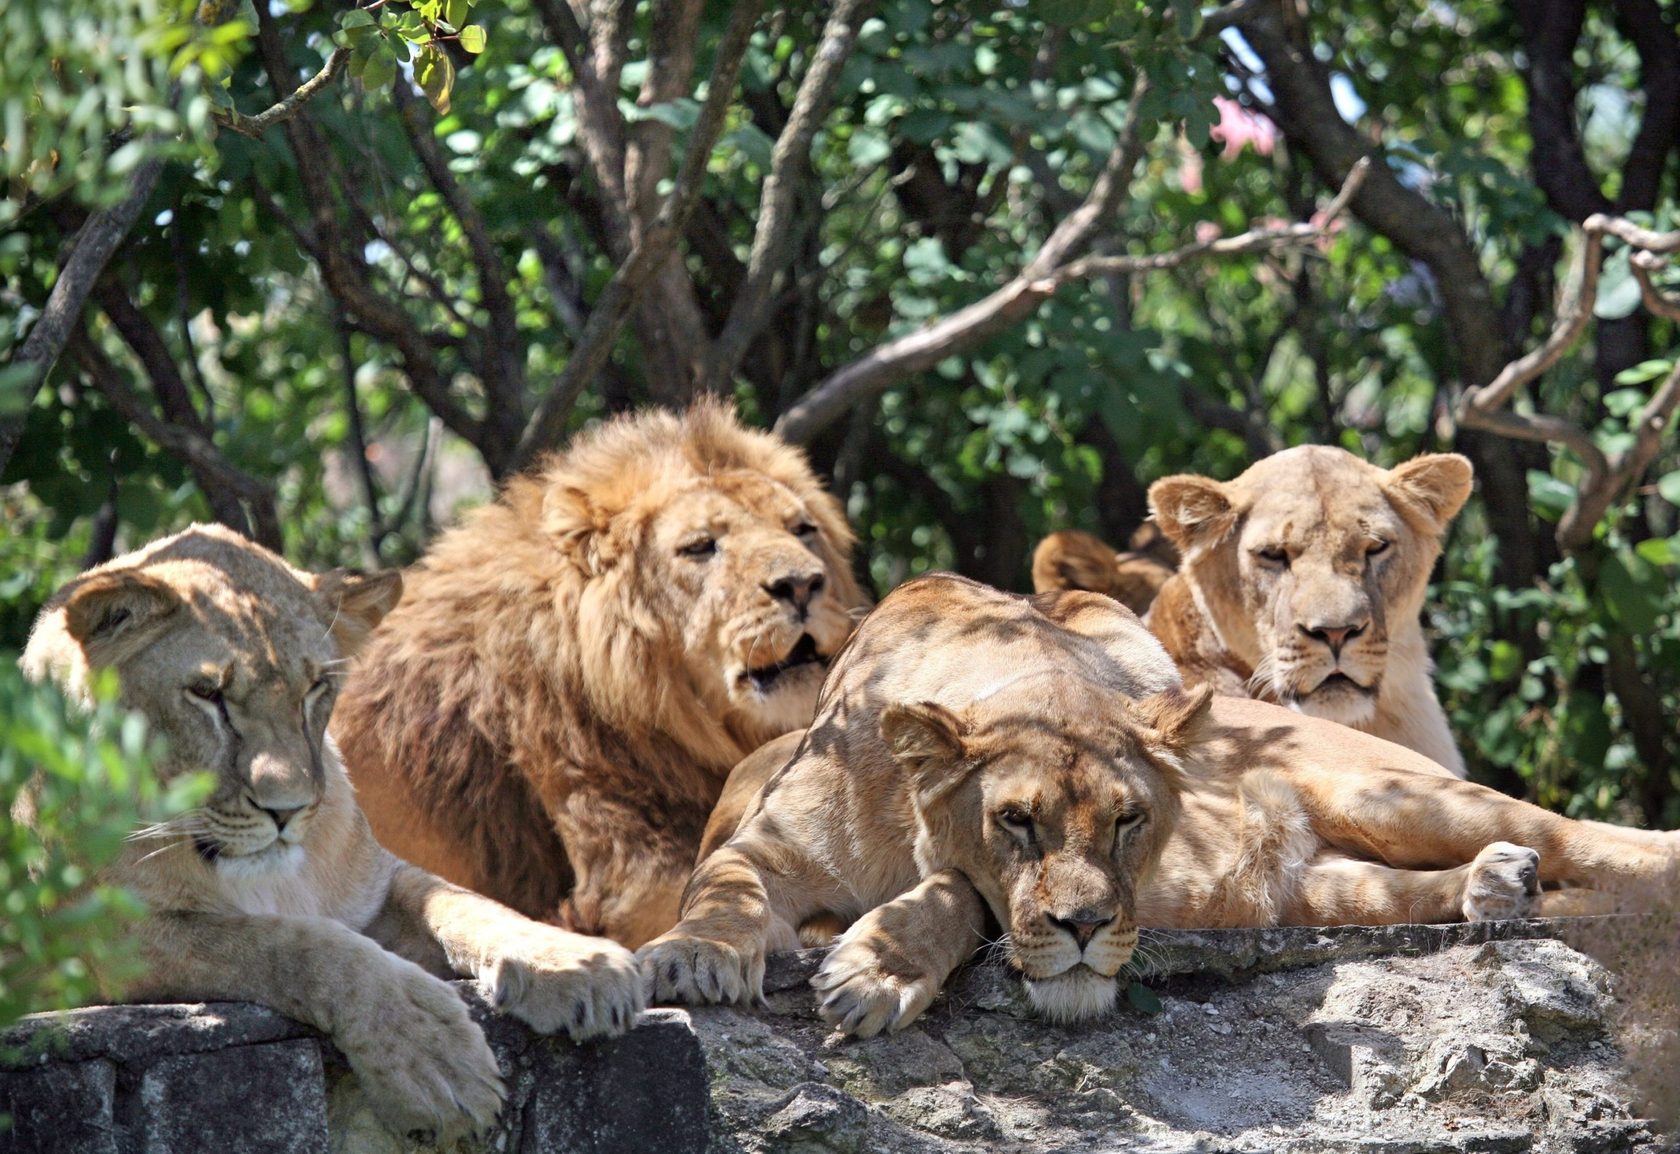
85	777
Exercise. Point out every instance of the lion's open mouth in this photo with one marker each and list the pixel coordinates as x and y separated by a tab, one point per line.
803	653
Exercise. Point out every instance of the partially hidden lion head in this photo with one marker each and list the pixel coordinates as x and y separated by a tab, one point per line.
235	658
1055	797
1312	563
703	555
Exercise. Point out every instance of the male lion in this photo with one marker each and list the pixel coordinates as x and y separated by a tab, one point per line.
274	891
1301	584
554	706
1036	758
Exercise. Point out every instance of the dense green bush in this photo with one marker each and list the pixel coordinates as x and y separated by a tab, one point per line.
87	777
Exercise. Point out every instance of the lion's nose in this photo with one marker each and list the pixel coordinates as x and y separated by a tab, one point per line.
795	589
1082	924
1336	636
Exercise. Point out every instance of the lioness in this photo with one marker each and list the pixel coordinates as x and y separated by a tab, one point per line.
550	713
1301	583
274	891
1037	759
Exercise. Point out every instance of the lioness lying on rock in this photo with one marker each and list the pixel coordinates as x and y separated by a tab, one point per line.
274	891
1037	759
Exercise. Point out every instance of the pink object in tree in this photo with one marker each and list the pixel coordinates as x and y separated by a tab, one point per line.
1239	127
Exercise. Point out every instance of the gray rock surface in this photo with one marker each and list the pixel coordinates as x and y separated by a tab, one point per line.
1397	1040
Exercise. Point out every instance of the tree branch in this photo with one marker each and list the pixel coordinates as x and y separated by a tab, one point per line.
1607	476
775	237
230	490
897	359
548	423
90	252
284	110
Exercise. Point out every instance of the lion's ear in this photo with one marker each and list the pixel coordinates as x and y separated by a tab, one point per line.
356	602
927	739
1070	559
1175	718
577	525
1435	485
114	615
1191	510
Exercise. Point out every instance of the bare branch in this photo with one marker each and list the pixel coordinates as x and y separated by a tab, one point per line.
230	490
775	237
672	36
255	126
600	124
897	359
548	423
90	252
1607	476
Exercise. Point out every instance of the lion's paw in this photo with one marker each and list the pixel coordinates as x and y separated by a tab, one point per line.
1504	882
861	997
553	981
422	1061
680	968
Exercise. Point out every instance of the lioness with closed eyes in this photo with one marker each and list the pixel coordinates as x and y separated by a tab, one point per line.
274	891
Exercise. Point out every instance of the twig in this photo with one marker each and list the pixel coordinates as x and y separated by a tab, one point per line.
284	110
548	423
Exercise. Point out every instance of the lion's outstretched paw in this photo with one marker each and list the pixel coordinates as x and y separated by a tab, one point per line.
859	994
556	981
1504	882
422	1062
680	968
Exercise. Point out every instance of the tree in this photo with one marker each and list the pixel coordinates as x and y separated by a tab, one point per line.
988	265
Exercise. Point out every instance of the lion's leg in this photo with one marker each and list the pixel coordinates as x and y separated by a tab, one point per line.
549	978
716	952
630	858
1411	821
422	1061
887	968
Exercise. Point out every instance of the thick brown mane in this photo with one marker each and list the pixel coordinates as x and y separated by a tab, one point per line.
541	716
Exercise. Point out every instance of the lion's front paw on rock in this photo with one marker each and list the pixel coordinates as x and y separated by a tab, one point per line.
557	981
678	968
422	1061
859	996
1504	882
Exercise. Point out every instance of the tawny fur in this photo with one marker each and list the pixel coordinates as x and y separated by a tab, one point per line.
274	891
1304	547
1274	818
549	715
1071	559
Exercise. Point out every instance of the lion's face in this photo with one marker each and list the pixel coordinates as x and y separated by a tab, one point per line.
235	661
747	575
1057	807
711	579
1305	560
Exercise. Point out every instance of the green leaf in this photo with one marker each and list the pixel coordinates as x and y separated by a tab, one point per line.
868	147
1642	372
1551	497
1668	487
472	39
436	74
356	18
1504	661
455	14
380	69
1618	292
1659	550
1631	590
1143	999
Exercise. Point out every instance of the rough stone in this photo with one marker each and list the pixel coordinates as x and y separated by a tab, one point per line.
1398	1040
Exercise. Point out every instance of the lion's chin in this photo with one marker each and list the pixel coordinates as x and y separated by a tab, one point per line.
1074	995
276	858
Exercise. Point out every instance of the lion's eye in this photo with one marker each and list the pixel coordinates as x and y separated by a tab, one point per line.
206	691
1377	548
1017	821
1275	558
699	547
1128	821
321	685
804	529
